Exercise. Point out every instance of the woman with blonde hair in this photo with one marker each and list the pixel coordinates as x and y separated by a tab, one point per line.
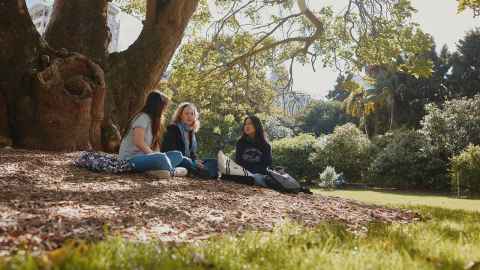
141	141
180	136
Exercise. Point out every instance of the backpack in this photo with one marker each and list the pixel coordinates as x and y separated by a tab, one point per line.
282	182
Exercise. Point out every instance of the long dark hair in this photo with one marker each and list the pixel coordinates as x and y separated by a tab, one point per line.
155	106
260	135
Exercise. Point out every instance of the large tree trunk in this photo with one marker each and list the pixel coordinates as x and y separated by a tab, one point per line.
133	73
80	26
54	98
54	93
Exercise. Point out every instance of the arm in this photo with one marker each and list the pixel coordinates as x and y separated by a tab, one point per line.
138	140
238	154
169	141
268	156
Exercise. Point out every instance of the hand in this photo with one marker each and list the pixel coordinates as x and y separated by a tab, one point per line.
200	164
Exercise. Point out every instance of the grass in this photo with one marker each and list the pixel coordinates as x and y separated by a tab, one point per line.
405	199
447	239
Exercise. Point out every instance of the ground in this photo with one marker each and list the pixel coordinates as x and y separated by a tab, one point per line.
44	200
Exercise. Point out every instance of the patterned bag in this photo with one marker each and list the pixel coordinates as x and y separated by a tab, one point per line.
102	162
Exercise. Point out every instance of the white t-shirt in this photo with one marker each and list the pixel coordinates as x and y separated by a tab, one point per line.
127	148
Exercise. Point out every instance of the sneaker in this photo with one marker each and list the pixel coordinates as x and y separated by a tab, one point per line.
160	173
180	172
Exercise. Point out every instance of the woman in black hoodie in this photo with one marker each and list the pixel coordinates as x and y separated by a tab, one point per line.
253	152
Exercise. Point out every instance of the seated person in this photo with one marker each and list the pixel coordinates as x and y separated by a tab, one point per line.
253	151
180	136
140	143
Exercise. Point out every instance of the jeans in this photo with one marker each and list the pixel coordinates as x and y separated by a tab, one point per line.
157	161
211	165
260	179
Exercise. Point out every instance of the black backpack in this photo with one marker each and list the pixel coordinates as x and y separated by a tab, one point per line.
282	182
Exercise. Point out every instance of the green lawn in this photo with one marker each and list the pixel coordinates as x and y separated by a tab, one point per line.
445	239
406	199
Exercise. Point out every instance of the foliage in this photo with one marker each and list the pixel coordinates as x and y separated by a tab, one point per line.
472	4
328	178
407	162
322	117
292	154
218	133
339	92
276	127
465	171
223	99
465	73
347	149
446	240
452	127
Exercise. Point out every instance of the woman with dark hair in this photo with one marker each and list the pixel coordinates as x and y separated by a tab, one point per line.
141	140
253	151
180	136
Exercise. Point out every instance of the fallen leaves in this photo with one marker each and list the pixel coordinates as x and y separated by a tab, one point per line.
44	201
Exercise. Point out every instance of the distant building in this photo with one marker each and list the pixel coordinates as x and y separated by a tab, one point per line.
40	11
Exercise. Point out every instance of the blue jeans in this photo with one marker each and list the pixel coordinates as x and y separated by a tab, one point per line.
210	164
260	179
157	161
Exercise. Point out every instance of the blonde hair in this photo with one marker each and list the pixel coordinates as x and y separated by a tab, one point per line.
177	115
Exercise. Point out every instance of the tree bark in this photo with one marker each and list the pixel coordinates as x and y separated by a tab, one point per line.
54	98
55	92
80	26
18	58
133	73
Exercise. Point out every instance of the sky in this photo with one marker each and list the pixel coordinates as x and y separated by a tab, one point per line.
439	18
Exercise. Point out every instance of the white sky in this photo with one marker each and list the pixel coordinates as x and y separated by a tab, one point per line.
436	17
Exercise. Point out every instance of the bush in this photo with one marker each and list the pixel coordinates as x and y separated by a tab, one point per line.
329	178
276	128
407	161
346	149
465	171
452	128
292	154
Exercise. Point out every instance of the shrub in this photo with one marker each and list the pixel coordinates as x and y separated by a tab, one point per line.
465	171
407	161
346	149
452	128
292	154
329	178
276	128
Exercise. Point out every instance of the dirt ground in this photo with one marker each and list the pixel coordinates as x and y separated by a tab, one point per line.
44	200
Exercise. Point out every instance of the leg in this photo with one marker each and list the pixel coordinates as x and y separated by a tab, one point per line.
151	162
260	180
176	158
211	165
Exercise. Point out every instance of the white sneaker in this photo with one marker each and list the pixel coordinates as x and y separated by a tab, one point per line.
160	173
180	172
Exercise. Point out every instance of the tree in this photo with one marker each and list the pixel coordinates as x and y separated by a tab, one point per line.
224	98
339	92
322	117
472	4
66	92
56	89
464	79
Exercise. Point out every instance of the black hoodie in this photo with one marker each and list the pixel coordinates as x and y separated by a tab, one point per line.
253	156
